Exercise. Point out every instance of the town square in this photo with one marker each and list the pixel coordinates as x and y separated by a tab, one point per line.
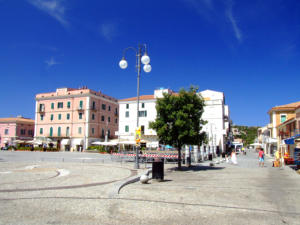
149	112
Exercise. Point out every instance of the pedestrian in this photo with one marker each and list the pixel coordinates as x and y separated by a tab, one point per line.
261	157
233	157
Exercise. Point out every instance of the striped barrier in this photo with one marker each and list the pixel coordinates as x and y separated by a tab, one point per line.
148	155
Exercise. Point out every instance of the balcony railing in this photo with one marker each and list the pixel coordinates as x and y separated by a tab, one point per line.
41	110
80	108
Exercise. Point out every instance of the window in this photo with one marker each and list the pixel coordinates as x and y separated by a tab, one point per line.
108	119
41	131
80	116
79	130
93	130
42	108
23	131
68	116
109	108
102	133
142	129
52	105
102	118
127	106
143	105
103	106
69	105
42	117
108	133
59	116
68	131
81	104
282	118
116	111
93	116
6	131
143	113
116	120
51	131
127	114
51	117
60	105
126	128
30	132
94	105
58	131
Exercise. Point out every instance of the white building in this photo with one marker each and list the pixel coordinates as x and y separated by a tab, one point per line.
216	113
147	113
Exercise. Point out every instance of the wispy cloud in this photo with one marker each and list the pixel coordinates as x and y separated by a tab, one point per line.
54	8
233	22
51	62
210	10
108	31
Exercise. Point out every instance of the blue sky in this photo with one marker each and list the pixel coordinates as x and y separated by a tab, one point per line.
250	50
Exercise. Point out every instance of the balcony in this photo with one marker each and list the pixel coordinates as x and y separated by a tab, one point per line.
93	108
80	108
41	110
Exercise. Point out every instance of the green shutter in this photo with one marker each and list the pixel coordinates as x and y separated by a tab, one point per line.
51	131
69	105
52	105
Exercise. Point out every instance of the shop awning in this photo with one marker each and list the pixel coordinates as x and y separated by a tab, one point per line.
78	141
65	142
104	143
291	140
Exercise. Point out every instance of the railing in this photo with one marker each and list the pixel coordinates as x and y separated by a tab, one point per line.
80	108
41	110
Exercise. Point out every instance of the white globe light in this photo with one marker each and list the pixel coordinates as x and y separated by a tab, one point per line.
147	68
123	64
145	59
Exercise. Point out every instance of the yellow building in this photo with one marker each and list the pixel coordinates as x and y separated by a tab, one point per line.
282	119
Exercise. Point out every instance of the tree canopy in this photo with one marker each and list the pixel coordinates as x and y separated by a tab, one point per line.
178	120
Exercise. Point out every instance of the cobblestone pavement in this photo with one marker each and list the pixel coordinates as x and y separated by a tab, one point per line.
81	193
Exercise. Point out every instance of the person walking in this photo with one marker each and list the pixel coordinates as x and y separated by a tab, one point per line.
233	157
261	157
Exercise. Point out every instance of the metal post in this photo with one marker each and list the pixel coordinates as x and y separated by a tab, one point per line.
137	166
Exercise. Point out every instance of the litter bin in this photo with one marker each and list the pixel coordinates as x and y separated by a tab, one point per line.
210	157
158	169
223	155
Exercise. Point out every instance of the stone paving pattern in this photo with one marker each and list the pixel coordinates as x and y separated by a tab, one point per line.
223	194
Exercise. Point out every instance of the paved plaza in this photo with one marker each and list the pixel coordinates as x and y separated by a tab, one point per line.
82	188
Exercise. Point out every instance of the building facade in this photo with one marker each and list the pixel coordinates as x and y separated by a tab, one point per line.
217	115
75	118
147	113
281	115
14	130
215	112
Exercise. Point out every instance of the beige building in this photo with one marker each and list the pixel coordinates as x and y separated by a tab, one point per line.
282	119
75	118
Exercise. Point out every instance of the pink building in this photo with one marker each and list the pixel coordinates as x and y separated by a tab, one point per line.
74	118
13	130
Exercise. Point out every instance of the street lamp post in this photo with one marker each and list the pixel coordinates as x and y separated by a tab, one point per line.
145	59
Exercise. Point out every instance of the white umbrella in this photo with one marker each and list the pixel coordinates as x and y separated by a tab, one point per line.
104	143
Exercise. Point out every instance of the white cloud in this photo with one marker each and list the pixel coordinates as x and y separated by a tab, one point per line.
51	62
54	8
233	22
209	9
108	31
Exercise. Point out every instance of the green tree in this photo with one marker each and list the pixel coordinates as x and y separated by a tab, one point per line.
178	120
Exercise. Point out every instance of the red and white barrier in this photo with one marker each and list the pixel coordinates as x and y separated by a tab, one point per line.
148	155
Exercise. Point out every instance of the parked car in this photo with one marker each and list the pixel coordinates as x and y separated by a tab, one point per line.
4	148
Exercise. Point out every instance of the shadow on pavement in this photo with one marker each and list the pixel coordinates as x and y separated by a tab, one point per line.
196	168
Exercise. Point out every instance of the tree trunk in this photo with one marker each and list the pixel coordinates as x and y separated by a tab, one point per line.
179	157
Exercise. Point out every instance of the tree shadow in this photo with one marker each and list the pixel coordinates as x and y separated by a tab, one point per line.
196	168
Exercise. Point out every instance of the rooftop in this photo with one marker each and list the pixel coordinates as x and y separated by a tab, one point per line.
16	120
290	106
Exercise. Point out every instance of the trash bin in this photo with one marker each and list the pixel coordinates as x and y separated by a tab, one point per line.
223	154
158	169
188	161
210	157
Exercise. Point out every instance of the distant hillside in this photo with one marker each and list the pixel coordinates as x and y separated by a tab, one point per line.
248	134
